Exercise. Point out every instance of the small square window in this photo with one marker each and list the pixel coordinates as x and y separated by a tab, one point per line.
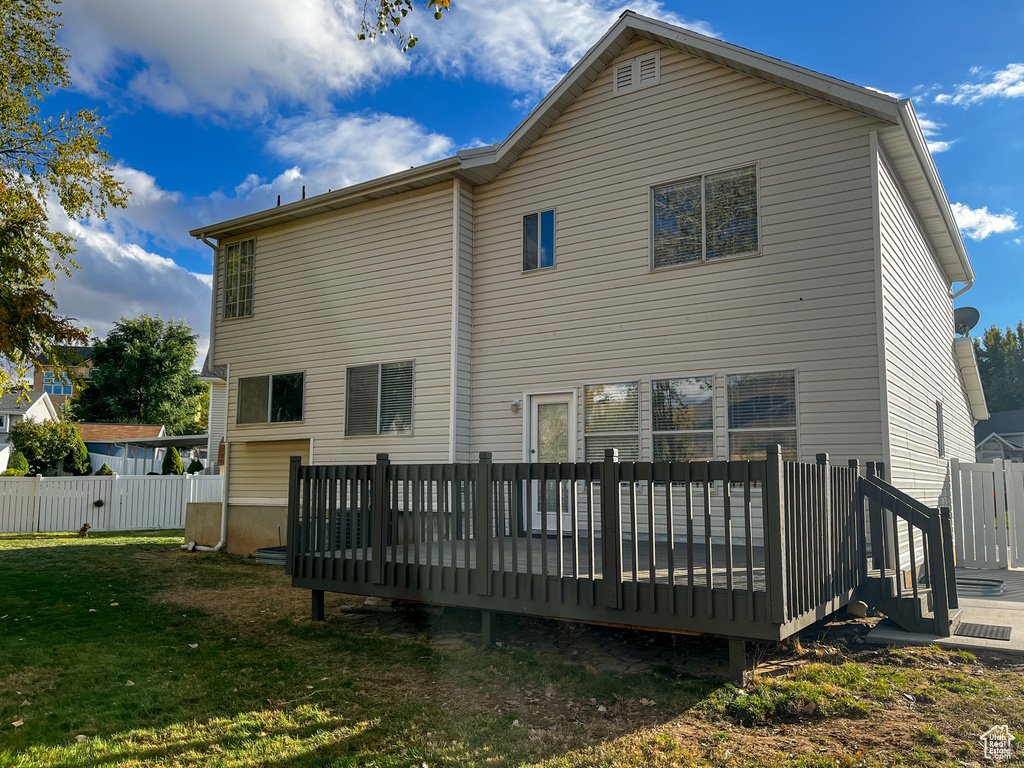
270	399
762	412
378	399
539	240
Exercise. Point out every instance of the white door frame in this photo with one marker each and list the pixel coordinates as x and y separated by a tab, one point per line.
531	400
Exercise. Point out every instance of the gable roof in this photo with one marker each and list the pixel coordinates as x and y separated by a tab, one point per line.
903	141
1000	423
19	402
999	439
75	355
117	433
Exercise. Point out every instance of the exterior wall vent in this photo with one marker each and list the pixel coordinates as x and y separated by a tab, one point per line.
636	73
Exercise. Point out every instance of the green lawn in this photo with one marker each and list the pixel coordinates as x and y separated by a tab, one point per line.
122	650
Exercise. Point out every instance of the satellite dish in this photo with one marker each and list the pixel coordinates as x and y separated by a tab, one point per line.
964	319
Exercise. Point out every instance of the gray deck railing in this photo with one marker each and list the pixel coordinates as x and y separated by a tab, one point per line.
752	549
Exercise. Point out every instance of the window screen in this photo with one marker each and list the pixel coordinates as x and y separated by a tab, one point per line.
253	400
539	240
379	399
611	419
762	412
263	399
683	418
707	217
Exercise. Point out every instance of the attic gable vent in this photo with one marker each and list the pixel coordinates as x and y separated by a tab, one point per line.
638	72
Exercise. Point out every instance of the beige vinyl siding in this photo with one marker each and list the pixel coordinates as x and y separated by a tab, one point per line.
807	303
364	285
919	363
217	422
464	324
258	472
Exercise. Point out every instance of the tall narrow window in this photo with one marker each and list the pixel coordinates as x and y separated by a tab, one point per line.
683	419
539	240
611	419
379	399
238	278
762	412
705	218
940	429
270	399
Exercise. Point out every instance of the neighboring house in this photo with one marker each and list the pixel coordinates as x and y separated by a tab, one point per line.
21	406
60	386
688	250
217	422
1001	436
122	443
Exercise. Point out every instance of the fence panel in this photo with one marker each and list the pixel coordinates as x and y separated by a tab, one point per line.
982	500
17	504
206	488
145	502
66	503
1015	512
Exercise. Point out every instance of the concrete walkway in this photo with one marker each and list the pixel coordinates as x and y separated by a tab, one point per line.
1005	610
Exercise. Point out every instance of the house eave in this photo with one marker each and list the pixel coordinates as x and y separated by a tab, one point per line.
963	351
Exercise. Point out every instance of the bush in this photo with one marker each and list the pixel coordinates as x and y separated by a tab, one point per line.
104	470
10	472
18	461
77	461
45	445
195	466
172	462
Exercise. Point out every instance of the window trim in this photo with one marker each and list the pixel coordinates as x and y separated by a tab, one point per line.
639	414
714	413
270	399
755	370
703	228
554	240
224	291
412	418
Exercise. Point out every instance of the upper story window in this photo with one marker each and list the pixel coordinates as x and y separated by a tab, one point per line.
705	218
538	240
636	73
378	399
238	278
57	384
3	422
611	419
268	399
683	419
940	429
762	412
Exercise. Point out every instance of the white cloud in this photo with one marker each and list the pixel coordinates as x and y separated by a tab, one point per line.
979	223
1006	83
930	129
241	57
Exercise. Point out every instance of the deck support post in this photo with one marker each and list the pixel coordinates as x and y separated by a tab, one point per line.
318	605
487	621
611	529
739	668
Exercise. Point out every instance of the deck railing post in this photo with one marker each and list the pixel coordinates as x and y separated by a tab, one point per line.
293	512
483	526
775	536
829	536
938	575
378	517
611	529
949	559
860	559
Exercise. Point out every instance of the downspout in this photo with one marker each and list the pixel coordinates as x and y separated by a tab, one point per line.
227	446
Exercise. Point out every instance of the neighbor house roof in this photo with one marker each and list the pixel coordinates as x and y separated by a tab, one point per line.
118	433
75	355
18	401
1000	423
903	141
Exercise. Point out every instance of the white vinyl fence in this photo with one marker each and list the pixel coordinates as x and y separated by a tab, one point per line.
988	513
54	504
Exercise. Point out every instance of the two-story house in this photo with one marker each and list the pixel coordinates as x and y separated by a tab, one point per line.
60	386
688	250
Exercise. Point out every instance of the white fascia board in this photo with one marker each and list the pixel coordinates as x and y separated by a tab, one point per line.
963	349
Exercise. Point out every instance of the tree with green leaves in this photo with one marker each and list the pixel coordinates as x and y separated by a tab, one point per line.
47	446
195	466
77	461
143	375
46	161
384	17
1001	363
172	462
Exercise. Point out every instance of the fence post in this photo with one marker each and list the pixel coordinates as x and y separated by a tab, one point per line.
379	514
775	536
110	502
292	535
38	505
185	490
830	539
483	524
611	530
938	576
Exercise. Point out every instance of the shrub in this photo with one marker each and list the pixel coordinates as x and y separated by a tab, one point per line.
18	461
172	462
104	470
45	444
10	472
195	466
77	461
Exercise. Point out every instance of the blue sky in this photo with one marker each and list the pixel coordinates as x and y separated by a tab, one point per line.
216	108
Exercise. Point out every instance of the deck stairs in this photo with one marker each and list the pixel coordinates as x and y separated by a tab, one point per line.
910	613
